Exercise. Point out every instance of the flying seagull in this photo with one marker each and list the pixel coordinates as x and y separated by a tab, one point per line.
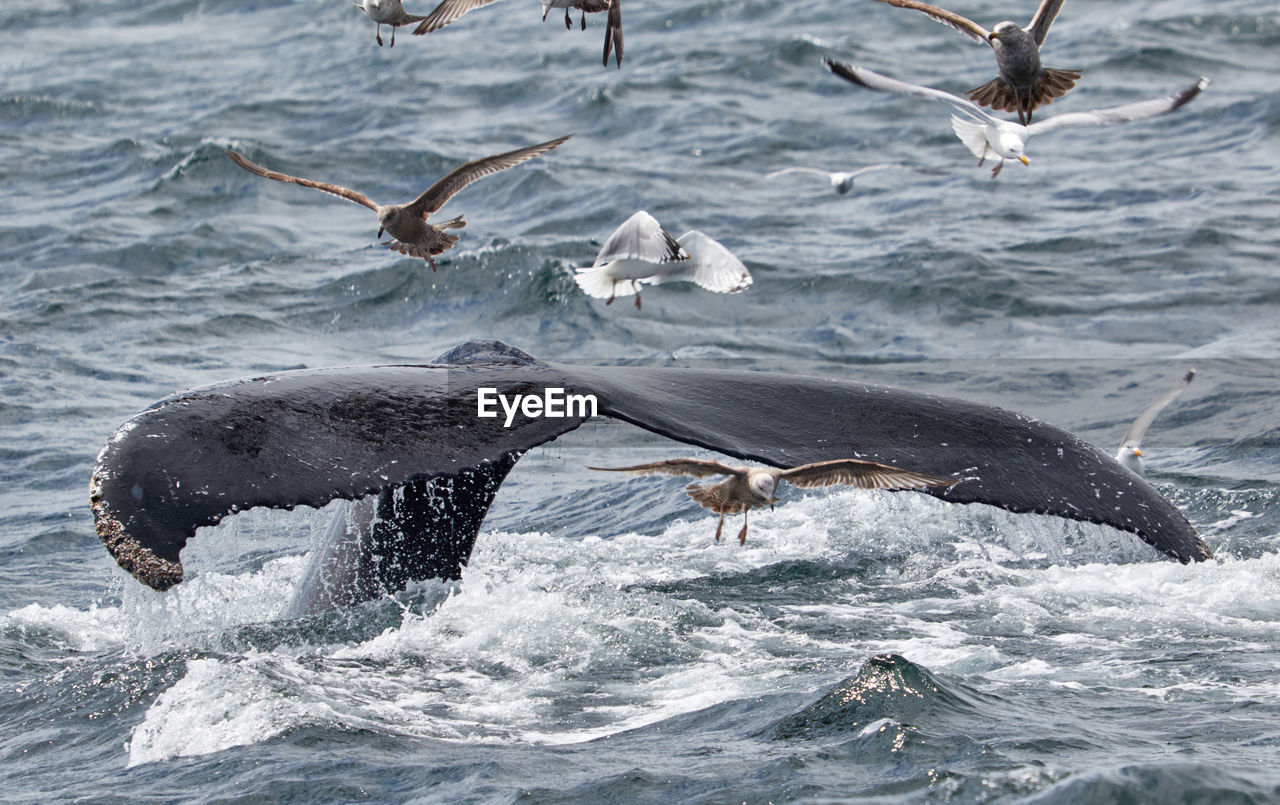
447	12
842	182
1130	452
407	223
613	27
987	136
748	488
1023	83
641	251
387	12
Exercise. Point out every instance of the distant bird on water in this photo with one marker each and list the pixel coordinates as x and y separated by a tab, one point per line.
613	25
1022	83
407	223
842	182
987	136
747	488
387	12
641	251
1130	452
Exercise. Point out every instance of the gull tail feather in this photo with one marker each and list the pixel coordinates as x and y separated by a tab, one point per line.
597	282
1002	97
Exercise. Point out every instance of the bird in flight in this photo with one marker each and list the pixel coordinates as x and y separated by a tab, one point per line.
1022	82
747	488
407	224
987	136
641	251
1130	452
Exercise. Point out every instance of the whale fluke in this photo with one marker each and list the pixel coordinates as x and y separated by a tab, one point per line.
304	438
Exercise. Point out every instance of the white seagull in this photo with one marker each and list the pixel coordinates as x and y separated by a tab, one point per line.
987	136
407	224
748	488
641	251
1130	452
1023	82
842	182
387	12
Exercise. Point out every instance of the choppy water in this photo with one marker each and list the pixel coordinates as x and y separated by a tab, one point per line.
860	646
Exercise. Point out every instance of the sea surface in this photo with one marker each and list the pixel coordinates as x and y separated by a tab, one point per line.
860	647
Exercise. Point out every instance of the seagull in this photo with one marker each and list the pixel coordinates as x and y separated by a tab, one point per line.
640	250
447	12
748	488
613	27
987	136
407	223
1130	452
387	12
842	182
1023	83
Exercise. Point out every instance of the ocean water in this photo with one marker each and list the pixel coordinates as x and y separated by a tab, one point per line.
860	647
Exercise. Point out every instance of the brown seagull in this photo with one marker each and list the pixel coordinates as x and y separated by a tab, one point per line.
1023	83
407	223
748	488
613	25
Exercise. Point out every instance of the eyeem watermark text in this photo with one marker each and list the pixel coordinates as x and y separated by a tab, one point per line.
553	403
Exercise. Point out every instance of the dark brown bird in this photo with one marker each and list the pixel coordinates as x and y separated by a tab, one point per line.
407	223
748	488
613	26
1023	83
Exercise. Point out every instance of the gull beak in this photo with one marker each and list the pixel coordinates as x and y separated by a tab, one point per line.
992	35
380	230
1137	452
1024	161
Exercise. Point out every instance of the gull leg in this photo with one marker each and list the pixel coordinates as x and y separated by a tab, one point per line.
568	22
378	35
720	526
742	535
613	293
636	286
584	19
431	261
996	170
393	36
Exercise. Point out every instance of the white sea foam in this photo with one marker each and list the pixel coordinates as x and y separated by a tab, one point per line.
552	639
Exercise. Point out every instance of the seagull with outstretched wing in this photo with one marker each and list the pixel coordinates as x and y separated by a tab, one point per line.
407	223
747	488
1130	452
987	136
1022	82
613	23
842	181
641	251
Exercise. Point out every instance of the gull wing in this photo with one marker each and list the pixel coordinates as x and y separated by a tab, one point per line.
784	171
882	83
1045	14
447	12
335	189
640	237
710	265
1121	114
1139	427
964	25
437	194
862	474
698	468
613	33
